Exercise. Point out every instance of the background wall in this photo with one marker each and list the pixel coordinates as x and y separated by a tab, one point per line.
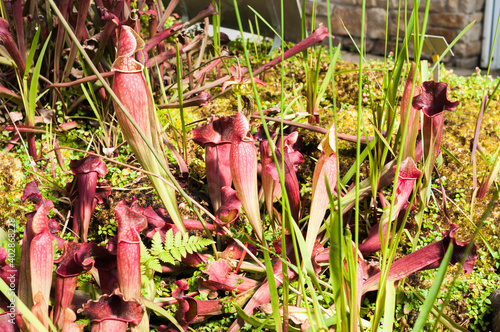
447	18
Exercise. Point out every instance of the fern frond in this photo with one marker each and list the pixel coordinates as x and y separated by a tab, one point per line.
149	261
166	257
176	253
178	240
154	264
175	247
157	244
169	239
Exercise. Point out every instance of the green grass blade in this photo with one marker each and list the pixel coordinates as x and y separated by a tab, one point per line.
447	322
336	261
34	80
390	305
181	107
352	170
273	290
33	321
90	100
265	22
426	307
32	52
328	75
150	305
449	154
259	323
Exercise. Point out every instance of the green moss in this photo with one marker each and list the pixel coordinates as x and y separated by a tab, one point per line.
12	180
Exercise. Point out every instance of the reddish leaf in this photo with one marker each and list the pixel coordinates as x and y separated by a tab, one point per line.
229	210
216	138
243	164
128	252
429	257
112	312
221	277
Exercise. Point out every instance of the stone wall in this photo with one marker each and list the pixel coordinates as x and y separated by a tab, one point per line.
447	18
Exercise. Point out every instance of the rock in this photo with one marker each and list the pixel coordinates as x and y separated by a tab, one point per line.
495	310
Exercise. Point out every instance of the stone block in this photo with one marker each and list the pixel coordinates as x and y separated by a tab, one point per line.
472	62
452	6
474	48
321	8
467	6
376	23
436	6
479	5
478	16
393	4
347	44
348	16
348	2
371	3
321	20
475	33
447	20
467	50
393	22
369	44
379	47
459	49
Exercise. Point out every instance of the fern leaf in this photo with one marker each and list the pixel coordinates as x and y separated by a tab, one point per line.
169	239
203	243
189	247
144	252
166	257
157	244
206	242
175	252
154	264
178	240
182	251
174	249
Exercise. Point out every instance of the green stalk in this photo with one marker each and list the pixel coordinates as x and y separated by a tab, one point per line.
336	259
336	216
426	307
30	95
493	48
180	91
390	304
286	281
353	273
216	27
25	311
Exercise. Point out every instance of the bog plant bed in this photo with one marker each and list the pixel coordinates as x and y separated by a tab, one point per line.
156	177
